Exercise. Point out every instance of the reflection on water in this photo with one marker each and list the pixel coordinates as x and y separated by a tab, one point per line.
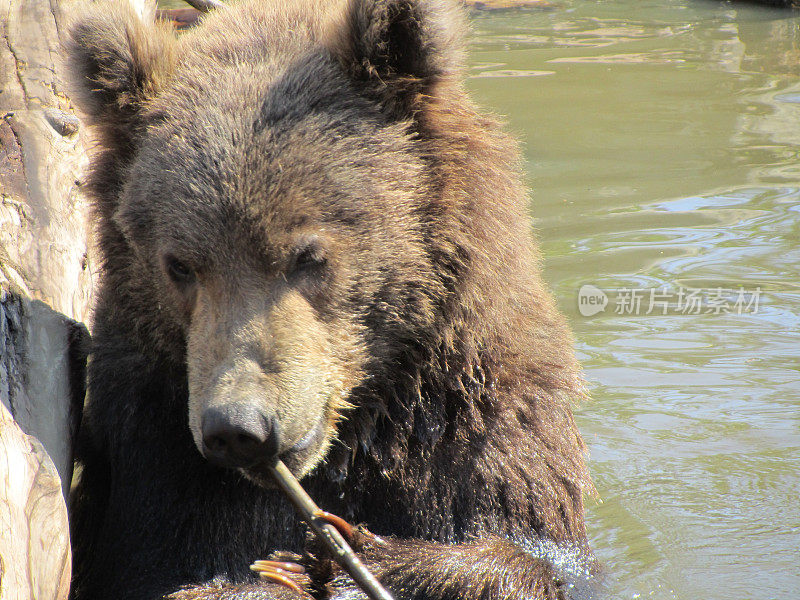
662	142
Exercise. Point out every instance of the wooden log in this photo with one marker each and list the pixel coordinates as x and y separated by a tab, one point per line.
35	558
43	235
46	285
42	368
44	249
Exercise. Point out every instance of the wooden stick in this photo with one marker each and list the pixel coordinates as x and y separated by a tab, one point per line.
328	534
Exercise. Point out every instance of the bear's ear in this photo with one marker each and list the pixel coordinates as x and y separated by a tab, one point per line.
399	50
117	62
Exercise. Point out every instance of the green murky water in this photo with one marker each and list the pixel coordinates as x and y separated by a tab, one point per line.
662	144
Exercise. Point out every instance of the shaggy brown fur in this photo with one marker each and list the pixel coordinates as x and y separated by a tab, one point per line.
299	207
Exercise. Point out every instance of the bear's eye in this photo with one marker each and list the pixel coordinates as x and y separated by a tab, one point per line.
179	272
309	255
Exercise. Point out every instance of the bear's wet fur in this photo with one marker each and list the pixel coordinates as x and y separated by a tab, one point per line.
299	210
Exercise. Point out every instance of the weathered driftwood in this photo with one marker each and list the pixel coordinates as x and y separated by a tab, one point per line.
42	362
42	359
41	391
36	561
43	236
41	386
46	283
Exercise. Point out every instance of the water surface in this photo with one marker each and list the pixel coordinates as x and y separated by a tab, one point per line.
661	141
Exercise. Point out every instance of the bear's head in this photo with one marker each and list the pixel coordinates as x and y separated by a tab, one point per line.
267	204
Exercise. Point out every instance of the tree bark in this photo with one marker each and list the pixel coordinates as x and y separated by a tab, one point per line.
43	236
46	284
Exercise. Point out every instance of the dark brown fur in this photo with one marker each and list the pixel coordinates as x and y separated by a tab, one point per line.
274	121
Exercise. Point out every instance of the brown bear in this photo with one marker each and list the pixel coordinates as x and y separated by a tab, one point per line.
315	247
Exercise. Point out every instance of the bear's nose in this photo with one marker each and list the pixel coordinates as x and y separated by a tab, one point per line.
239	435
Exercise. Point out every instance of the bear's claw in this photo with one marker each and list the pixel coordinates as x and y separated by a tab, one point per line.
281	572
292	567
339	523
359	537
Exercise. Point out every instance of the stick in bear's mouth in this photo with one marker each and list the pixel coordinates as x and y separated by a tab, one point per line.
329	535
